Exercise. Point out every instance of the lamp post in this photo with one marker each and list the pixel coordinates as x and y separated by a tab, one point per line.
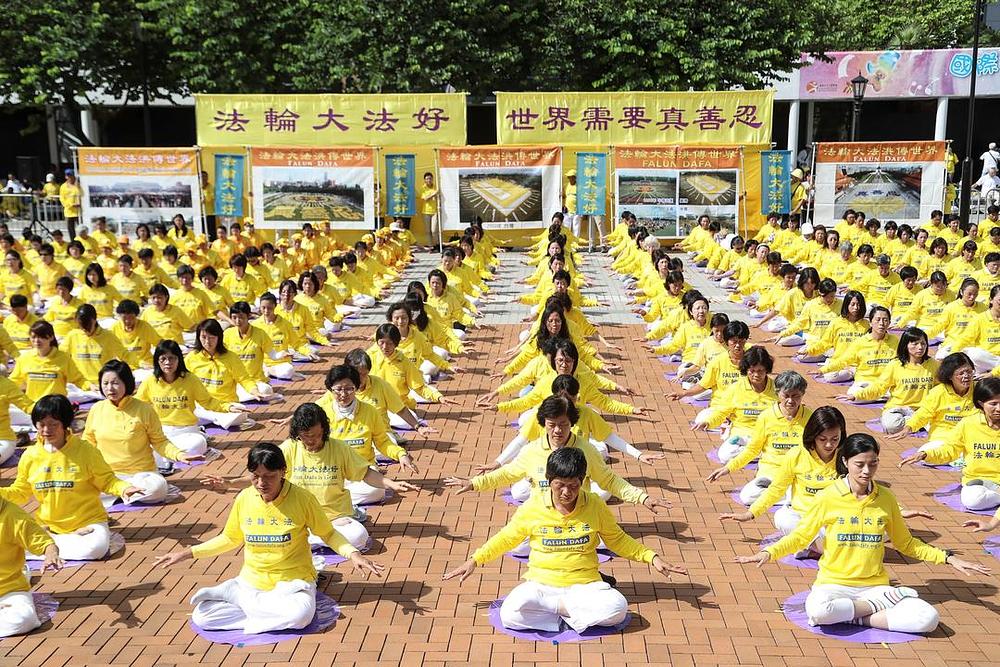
147	124
858	86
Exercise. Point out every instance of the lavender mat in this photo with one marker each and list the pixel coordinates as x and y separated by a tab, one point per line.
330	557
735	497
327	613
795	611
844	383
689	400
14	458
945	466
713	456
992	547
875	426
868	406
566	635
509	499
384	461
951	496
173	495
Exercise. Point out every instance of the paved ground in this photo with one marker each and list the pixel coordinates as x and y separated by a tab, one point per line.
123	612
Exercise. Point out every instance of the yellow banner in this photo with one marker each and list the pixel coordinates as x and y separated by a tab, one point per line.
331	120
712	117
158	161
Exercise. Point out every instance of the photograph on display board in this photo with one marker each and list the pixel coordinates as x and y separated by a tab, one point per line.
500	195
881	191
688	216
659	220
313	194
645	189
128	200
708	188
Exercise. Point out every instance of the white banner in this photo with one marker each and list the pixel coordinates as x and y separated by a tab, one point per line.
900	181
293	186
508	187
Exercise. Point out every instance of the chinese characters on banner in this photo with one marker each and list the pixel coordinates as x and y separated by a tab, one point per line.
400	176
591	183
776	184
509	188
899	180
129	186
669	187
293	186
723	117
331	120
229	185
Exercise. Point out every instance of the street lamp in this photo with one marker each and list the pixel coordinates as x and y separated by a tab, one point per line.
858	86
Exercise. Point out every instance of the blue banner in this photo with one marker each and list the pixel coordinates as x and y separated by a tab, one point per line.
229	185
592	183
776	182
401	182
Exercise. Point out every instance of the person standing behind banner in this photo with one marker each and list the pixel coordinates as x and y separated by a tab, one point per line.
429	196
69	197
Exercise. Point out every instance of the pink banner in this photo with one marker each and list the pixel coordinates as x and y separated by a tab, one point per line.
901	74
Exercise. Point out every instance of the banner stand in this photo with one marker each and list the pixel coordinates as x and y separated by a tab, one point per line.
440	220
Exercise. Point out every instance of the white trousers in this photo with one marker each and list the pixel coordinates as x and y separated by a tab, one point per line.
7	449
534	606
982	495
983	360
827	604
244	396
894	419
17	614
74	546
236	605
351	530
363	493
282	371
225	420
363	300
792	340
188	439
843	375
732	446
154	487
77	395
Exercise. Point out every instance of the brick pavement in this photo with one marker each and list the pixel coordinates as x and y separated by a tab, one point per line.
123	612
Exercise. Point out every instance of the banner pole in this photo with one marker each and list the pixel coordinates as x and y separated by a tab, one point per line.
812	198
202	208
76	170
741	178
440	207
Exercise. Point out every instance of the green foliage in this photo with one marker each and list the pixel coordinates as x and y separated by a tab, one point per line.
902	24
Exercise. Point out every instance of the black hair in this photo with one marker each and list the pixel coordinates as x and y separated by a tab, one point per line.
565	345
418	315
208	271
122	370
566	383
85	316
827	286
439	274
65	282
305	417
822	419
808	275
756	356
269	297
908	272
167	346
184	270
542	335
736	329
266	454
418	288
390	331
146	253
212	327
43	329
96	268
566	463
910	335
718	320
18	301
557	406
850	296
127	307
854	444
53	405
399	305
241	307
985	390
342	372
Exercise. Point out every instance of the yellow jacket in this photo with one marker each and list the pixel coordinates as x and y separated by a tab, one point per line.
364	431
982	332
590	393
253	350
856	532
563	548
402	376
323	473
741	405
174	402
90	352
275	536
773	437
67	484
907	384
20	533
978	443
941	410
62	315
127	434
220	373
138	343
954	322
839	336
927	309
169	324
805	473
46	375
868	357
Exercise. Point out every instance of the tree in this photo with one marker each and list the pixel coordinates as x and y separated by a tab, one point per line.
895	24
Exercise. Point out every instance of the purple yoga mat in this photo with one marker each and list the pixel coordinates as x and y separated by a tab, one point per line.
951	496
173	496
327	613
844	383
735	497
868	406
808	363
389	494
992	547
14	458
713	456
509	499
563	636
670	375
944	466
698	404
603	556
795	611
331	557
383	461
875	425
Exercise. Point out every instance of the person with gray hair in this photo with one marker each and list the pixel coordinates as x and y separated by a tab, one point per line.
778	430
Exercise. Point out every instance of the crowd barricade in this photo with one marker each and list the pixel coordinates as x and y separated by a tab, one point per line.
21	211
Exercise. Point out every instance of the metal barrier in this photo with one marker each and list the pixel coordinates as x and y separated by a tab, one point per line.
20	211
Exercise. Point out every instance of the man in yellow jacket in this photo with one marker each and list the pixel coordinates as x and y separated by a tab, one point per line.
564	526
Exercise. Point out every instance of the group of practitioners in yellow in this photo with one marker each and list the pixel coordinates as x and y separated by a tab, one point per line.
188	333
